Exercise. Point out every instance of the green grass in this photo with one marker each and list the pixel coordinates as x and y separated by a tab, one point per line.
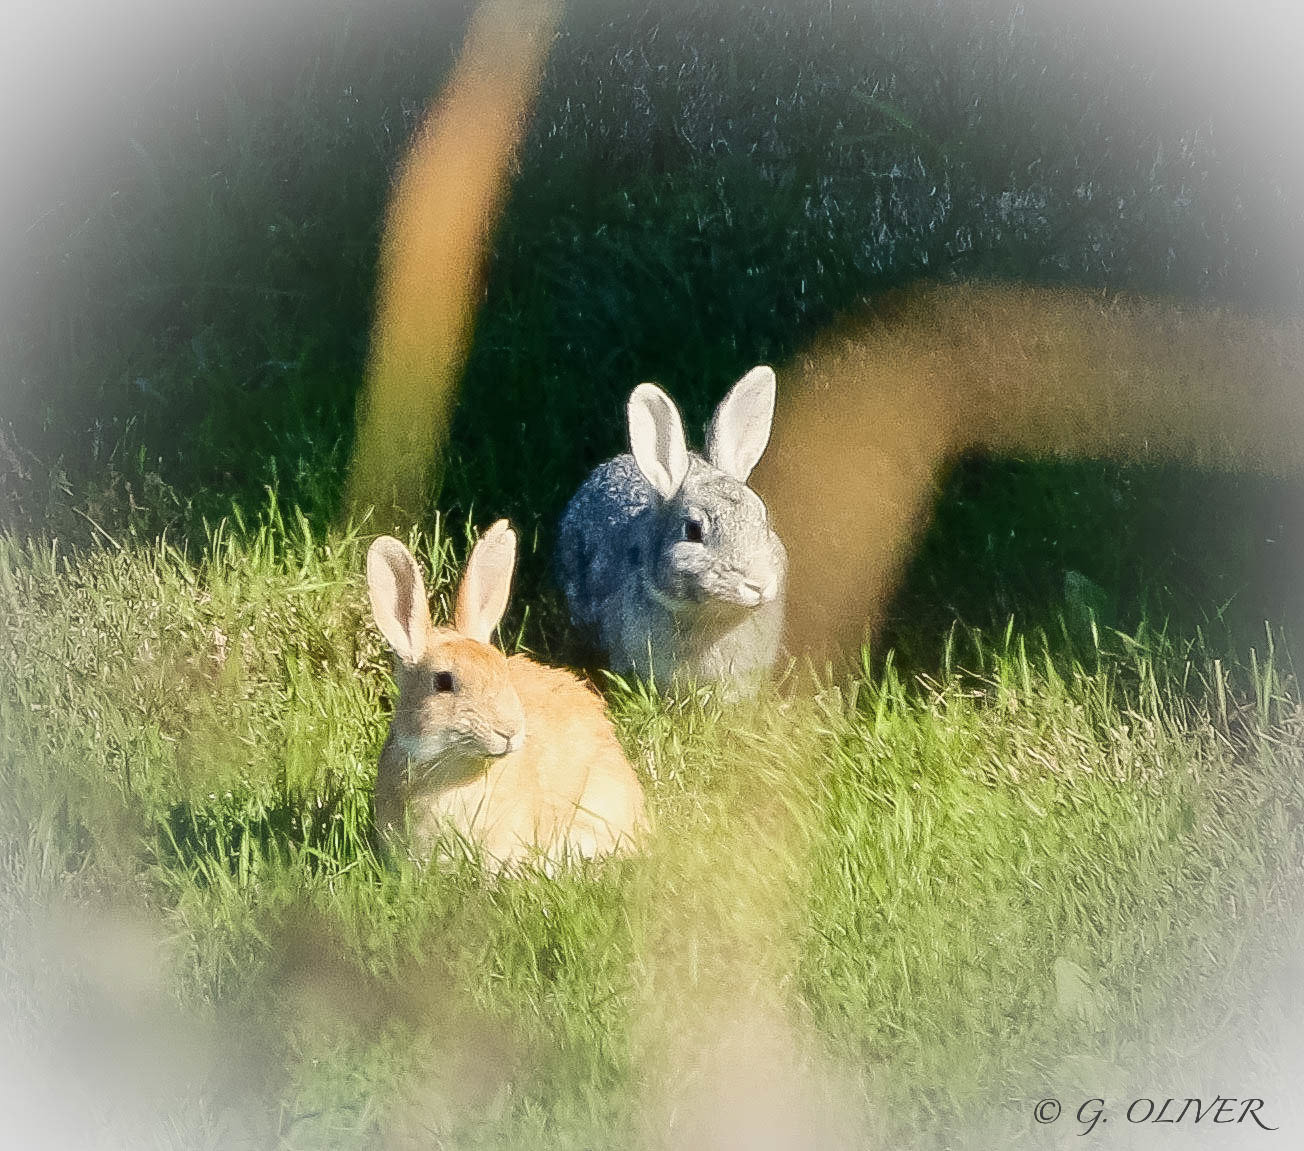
958	888
1014	855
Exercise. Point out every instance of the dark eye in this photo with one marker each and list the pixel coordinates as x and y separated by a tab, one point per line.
635	557
443	681
693	531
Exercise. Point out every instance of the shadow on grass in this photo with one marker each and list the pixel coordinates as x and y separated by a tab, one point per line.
326	834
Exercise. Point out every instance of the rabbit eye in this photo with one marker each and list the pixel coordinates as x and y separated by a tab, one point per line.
693	531
443	681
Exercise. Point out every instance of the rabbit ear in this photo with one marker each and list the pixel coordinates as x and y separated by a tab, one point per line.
656	437
398	597
486	583
740	428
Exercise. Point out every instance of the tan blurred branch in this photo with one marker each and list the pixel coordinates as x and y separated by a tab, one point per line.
447	198
871	418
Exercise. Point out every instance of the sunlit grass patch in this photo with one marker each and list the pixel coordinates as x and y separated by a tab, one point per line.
946	888
1033	861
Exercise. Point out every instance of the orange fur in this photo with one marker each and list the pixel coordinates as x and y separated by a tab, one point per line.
569	790
519	758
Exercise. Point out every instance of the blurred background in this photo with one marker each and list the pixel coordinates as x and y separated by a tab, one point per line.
190	227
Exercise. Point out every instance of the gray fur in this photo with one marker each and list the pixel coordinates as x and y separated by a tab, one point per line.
668	606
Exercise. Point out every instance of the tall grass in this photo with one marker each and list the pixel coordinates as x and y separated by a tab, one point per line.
947	891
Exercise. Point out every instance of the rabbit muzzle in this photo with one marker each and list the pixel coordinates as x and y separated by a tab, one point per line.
745	590
757	592
500	743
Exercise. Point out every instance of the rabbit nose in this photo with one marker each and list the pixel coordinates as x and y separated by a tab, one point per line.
512	739
764	592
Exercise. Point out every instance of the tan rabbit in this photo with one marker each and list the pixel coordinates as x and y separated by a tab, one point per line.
519	758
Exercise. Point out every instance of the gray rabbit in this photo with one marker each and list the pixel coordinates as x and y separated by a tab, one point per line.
669	557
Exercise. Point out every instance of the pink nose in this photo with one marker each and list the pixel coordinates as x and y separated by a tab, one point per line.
514	740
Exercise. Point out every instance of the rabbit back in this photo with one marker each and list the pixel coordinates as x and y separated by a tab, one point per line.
590	797
596	535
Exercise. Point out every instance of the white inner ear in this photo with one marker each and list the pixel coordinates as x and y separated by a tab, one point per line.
656	437
740	428
398	597
486	583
